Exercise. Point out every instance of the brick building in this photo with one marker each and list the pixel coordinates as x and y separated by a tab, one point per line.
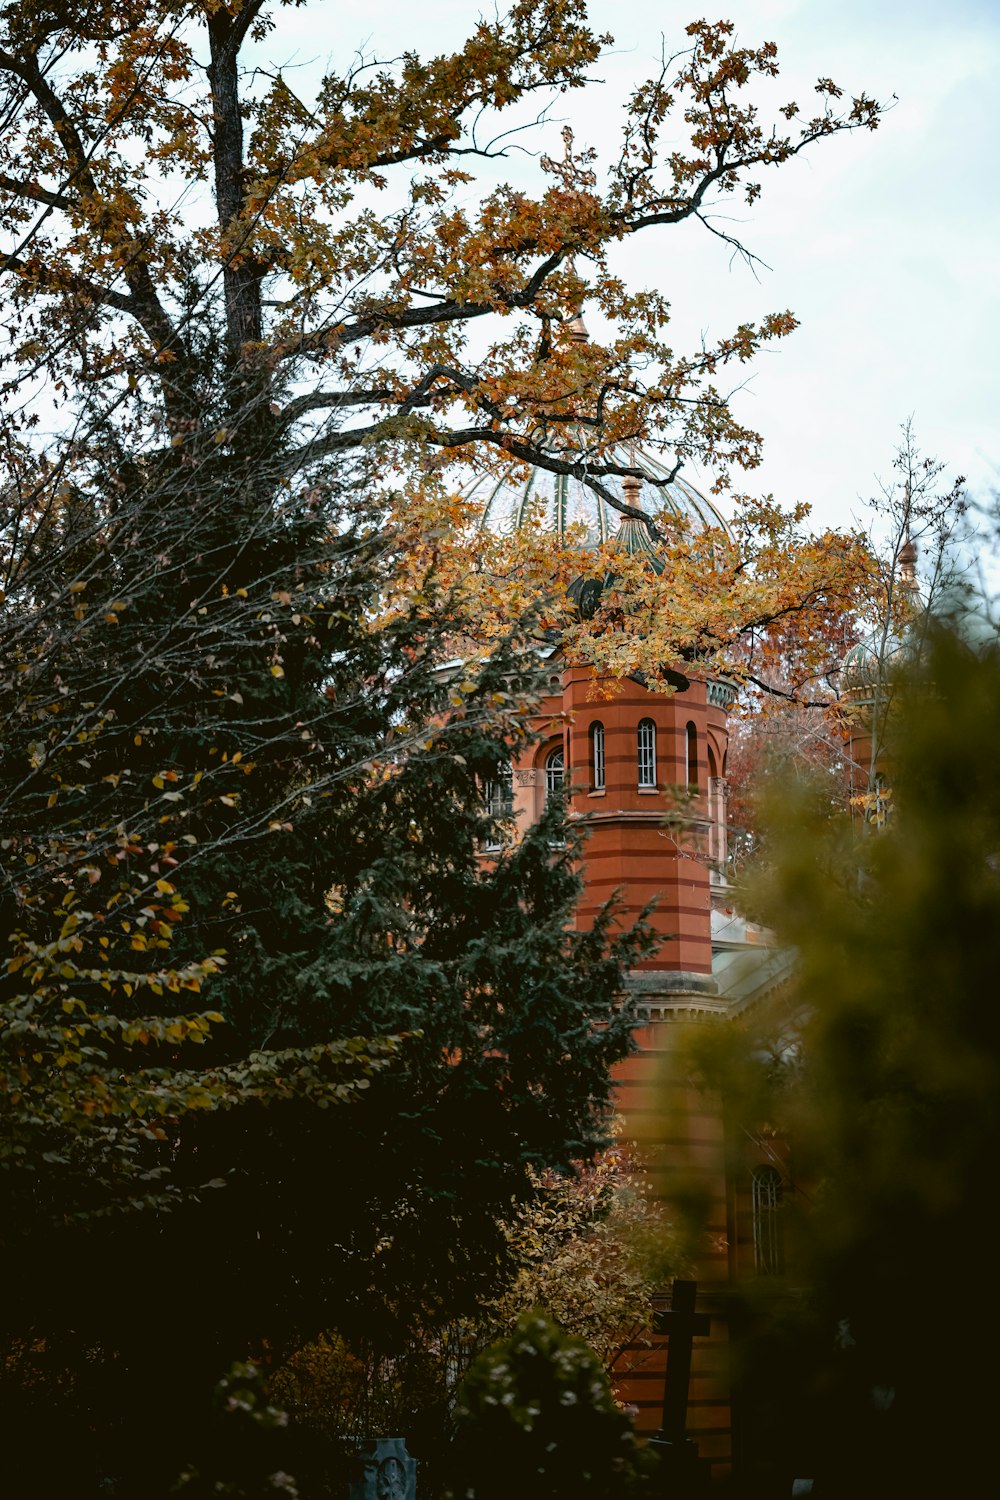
622	759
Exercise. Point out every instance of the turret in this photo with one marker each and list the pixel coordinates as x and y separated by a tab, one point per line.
643	770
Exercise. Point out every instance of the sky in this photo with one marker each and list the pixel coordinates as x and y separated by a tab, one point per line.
884	245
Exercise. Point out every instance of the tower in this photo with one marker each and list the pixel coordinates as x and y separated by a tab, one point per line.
644	772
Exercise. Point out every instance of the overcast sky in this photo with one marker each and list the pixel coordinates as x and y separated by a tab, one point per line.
884	245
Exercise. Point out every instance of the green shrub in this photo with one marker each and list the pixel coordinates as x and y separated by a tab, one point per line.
535	1416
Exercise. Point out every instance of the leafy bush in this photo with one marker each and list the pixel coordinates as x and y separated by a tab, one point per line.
536	1417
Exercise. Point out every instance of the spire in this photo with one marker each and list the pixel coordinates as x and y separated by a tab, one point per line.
575	328
632	535
632	488
908	566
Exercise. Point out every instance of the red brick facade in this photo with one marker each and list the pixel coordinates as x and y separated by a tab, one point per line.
633	851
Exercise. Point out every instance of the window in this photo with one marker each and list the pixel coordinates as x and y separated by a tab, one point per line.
691	755
555	772
498	801
555	783
647	753
766	1192
597	756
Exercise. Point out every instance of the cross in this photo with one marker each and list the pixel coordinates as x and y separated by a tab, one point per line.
682	1325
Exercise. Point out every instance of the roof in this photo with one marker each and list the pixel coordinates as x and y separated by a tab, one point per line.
559	502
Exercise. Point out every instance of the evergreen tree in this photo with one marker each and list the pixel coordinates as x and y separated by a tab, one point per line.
234	740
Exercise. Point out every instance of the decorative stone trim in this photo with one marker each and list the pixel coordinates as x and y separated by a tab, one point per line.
664	982
678	1010
720	692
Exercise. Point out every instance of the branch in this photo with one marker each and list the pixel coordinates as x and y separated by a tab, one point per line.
518	448
777	692
21	189
145	305
326	340
103	296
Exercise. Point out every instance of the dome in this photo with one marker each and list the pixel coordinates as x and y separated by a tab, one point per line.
860	667
876	660
562	501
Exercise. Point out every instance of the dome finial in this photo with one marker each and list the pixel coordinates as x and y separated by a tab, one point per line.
575	327
631	483
908	565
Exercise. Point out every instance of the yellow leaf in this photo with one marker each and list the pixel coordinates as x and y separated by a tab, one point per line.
277	671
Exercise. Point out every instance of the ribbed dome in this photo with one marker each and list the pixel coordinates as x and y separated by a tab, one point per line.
559	502
874	660
860	667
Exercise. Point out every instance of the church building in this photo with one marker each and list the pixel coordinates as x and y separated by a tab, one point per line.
623	759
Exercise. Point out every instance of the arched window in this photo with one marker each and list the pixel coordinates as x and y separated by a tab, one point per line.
555	772
498	800
647	753
766	1193
691	755
597	756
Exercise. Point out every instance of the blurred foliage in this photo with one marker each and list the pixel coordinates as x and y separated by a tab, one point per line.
882	1073
243	1444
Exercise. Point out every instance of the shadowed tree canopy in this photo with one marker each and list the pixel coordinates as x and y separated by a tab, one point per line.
275	795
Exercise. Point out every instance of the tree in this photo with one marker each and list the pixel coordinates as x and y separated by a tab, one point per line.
913	513
590	1250
324	822
881	1070
834	740
232	744
283	310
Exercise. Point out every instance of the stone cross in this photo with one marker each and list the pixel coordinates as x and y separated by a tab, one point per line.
682	1325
